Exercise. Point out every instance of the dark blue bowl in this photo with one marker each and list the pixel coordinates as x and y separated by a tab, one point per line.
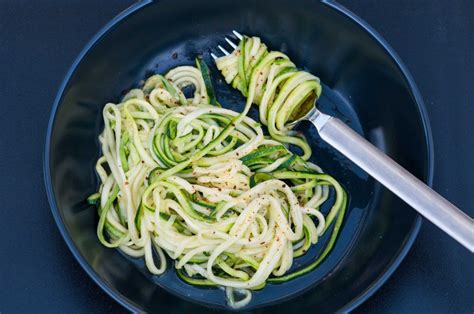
365	84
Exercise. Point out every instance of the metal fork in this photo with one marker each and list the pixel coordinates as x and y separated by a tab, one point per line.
394	177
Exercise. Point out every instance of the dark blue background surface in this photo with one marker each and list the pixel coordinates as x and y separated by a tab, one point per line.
40	39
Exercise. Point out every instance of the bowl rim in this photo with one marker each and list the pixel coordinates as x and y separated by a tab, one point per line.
338	8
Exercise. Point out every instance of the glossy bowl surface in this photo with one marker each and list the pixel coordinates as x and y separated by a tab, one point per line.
366	85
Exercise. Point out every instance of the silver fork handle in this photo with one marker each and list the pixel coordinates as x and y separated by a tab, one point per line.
394	177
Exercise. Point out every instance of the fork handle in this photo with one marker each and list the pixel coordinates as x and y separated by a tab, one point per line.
394	177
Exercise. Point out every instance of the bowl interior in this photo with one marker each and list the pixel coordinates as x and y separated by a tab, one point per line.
363	86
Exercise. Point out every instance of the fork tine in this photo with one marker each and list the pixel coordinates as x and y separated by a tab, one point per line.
223	50
230	43
237	34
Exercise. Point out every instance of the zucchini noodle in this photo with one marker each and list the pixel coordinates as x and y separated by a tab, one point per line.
281	91
204	185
